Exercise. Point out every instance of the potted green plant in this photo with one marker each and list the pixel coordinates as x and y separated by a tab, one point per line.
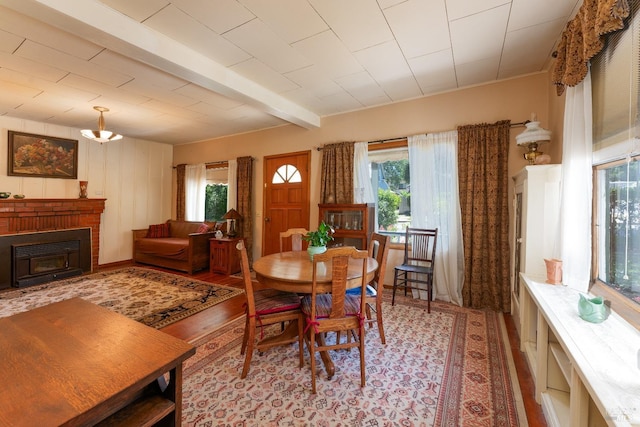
318	239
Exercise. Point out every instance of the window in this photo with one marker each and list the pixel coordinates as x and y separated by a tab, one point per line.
616	132
215	202
391	183
618	213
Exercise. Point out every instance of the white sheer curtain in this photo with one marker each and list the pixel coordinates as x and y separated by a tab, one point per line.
362	188
195	182
232	185
576	192
435	203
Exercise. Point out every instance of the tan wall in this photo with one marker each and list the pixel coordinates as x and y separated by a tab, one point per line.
513	99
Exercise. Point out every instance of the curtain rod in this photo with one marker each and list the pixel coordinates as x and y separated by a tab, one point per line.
520	123
210	163
377	141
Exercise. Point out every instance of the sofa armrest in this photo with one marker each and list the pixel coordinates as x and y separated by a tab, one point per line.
140	233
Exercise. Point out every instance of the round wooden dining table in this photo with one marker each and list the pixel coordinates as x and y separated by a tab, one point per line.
293	272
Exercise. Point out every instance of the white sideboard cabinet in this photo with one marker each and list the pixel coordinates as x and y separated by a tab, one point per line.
536	207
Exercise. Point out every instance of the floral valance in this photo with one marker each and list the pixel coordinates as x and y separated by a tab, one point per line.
583	38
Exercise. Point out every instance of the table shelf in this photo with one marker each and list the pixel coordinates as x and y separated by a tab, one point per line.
144	412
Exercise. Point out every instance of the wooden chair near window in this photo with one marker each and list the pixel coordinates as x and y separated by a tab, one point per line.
266	307
378	249
418	263
296	235
335	311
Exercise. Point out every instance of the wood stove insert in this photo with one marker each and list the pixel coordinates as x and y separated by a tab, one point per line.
42	257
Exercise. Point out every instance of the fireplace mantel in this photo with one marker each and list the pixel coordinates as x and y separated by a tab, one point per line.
35	215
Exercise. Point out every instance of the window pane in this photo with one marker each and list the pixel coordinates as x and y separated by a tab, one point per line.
619	228
391	183
286	173
215	202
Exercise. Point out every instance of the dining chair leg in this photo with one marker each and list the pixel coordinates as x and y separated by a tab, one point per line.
379	321
312	352
245	336
405	282
429	292
249	350
363	378
395	285
301	340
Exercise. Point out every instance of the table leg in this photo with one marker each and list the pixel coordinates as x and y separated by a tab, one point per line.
290	331
326	357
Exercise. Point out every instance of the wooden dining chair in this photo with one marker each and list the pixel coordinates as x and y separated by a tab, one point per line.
378	249
418	263
266	307
296	235
335	311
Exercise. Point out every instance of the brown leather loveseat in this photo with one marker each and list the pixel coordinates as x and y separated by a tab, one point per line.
178	245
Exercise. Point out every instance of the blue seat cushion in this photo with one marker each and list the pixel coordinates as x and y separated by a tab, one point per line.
370	291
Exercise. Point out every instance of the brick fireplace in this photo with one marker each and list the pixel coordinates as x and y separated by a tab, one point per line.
19	216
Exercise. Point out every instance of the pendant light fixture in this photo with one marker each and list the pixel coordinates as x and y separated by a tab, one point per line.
101	135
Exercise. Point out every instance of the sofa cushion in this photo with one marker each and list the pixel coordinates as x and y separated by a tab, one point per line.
170	247
184	228
159	230
204	228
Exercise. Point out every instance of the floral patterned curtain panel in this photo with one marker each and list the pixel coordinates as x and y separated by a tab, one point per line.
483	152
337	173
245	180
180	192
583	38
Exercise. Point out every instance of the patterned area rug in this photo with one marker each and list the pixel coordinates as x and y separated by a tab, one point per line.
151	297
447	368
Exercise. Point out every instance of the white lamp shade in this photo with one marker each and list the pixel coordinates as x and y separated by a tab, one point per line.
533	134
100	135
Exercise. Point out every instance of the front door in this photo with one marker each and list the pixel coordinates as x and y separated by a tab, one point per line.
286	196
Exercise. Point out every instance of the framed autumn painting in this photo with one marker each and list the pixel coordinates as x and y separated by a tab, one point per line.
42	156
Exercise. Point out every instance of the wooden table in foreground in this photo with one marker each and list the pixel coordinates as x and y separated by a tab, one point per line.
293	272
75	363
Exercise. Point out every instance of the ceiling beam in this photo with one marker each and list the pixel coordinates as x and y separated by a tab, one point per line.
98	23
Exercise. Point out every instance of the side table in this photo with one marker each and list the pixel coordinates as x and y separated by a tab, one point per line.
223	256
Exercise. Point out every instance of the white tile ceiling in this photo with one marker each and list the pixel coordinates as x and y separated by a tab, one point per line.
178	71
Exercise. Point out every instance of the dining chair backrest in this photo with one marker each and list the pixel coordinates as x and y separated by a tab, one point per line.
296	235
339	258
420	246
246	277
379	249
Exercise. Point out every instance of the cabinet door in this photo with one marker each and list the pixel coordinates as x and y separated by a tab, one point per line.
218	261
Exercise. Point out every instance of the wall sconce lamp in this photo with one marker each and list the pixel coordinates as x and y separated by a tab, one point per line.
232	216
531	137
101	135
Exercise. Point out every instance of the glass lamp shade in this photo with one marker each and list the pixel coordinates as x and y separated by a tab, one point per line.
530	138
100	135
533	133
232	216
